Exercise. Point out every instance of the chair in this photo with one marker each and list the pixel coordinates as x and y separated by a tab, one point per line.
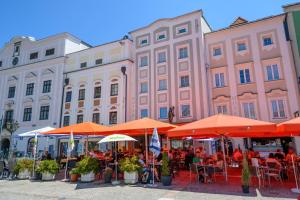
4	172
256	171
273	171
194	170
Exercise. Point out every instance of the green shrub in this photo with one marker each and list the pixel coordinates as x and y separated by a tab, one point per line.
22	165
130	164
75	171
245	172
165	171
87	165
49	166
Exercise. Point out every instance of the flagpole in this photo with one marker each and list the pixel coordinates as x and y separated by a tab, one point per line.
153	171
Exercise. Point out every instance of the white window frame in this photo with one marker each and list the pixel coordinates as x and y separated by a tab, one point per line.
271	66
248	111
186	27
218	80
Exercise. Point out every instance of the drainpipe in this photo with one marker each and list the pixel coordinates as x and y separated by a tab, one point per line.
123	70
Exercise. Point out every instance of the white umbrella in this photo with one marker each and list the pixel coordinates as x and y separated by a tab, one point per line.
116	138
37	131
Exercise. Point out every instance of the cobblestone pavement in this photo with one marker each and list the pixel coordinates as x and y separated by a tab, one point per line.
26	190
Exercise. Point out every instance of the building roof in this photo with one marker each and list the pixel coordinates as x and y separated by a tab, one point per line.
243	23
291	4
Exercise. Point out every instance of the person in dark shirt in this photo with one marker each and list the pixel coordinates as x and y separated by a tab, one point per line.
46	156
159	157
279	154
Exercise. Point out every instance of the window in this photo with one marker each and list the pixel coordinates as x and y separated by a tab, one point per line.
44	113
144	113
114	89
185	111
11	92
181	30
249	110
144	61
278	109
272	72
219	80
162	84
97	92
144	87
17	46
33	56
241	46
47	86
143	42
161	57
163	113
96	118
183	53
244	76
50	52
99	61
29	89
81	94
83	65
222	109
161	36
267	41
217	52
9	116
66	121
0	63
68	96
79	119
184	81
113	117
27	114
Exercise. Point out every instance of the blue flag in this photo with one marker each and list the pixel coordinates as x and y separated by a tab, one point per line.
154	146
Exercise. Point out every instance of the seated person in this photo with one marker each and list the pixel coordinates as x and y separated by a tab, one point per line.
271	159
279	154
251	153
216	167
237	155
291	154
46	156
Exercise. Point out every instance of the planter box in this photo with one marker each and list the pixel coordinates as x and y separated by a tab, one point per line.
88	177
131	177
24	174
47	176
166	180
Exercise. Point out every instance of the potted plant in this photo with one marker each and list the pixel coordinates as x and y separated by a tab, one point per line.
166	178
23	168
130	166
74	174
107	174
87	168
48	169
246	177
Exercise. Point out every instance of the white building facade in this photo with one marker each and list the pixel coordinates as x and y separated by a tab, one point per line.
31	76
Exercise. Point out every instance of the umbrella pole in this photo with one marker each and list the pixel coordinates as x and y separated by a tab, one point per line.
86	145
34	161
116	182
295	190
225	163
146	145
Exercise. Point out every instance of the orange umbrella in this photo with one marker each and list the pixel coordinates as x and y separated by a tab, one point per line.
227	125
142	126
289	128
85	128
223	125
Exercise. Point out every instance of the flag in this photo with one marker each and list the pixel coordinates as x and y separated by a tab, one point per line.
35	144
72	143
154	146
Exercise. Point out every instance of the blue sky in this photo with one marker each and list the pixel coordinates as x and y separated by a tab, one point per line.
100	21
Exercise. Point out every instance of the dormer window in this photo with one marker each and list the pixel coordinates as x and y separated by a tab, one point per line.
144	42
99	61
50	52
161	37
83	65
181	30
267	41
217	52
17	49
33	55
241	47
